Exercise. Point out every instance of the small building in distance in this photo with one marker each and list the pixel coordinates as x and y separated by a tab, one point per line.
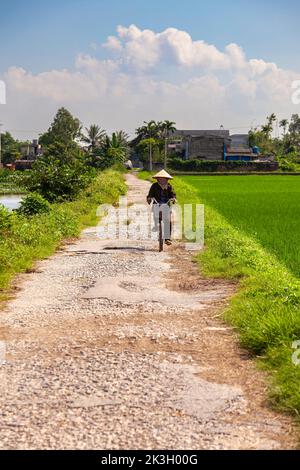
201	144
31	151
216	145
239	149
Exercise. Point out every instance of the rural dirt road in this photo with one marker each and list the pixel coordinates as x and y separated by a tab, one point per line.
113	346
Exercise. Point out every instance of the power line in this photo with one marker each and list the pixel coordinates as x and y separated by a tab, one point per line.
240	127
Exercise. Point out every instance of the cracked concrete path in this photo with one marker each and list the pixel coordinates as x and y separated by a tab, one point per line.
116	346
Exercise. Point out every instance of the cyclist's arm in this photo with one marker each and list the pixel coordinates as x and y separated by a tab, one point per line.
151	195
172	194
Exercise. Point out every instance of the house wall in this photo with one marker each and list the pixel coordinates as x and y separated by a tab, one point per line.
204	144
240	141
31	150
23	164
210	148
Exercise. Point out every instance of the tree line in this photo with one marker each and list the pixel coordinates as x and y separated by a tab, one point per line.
285	148
67	136
68	143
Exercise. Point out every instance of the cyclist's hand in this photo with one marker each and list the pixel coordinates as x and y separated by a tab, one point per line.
172	201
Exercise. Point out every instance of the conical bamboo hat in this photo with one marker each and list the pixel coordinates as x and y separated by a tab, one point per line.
163	174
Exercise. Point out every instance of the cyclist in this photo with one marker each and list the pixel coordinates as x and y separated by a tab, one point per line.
162	192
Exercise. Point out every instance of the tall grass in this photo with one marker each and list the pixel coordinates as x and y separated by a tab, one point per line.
28	239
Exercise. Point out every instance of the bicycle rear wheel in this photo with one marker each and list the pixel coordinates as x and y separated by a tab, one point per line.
160	234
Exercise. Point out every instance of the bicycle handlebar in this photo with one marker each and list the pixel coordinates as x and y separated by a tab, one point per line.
154	201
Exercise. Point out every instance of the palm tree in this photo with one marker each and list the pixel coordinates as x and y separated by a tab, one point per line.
123	137
115	147
95	136
268	128
150	130
167	128
272	118
284	124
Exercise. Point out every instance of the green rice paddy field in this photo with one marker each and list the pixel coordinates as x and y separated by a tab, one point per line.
264	207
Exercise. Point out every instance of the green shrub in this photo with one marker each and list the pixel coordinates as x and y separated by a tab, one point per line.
211	166
287	165
57	180
34	204
5	220
4	174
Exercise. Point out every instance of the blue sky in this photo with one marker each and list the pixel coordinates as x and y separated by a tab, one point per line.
37	34
201	64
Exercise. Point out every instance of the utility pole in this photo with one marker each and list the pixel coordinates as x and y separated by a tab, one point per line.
150	155
166	153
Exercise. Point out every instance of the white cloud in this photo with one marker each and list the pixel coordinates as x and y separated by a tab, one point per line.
57	85
259	67
236	56
145	48
113	43
146	75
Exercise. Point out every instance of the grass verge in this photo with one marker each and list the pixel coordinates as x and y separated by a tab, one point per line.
26	240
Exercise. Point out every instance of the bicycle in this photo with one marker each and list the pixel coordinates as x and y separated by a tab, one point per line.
160	219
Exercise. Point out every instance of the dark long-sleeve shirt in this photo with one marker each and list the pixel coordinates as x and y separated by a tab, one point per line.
160	194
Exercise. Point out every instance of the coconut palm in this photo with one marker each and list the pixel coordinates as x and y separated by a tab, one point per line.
150	130
115	147
123	137
284	124
94	137
267	129
167	128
